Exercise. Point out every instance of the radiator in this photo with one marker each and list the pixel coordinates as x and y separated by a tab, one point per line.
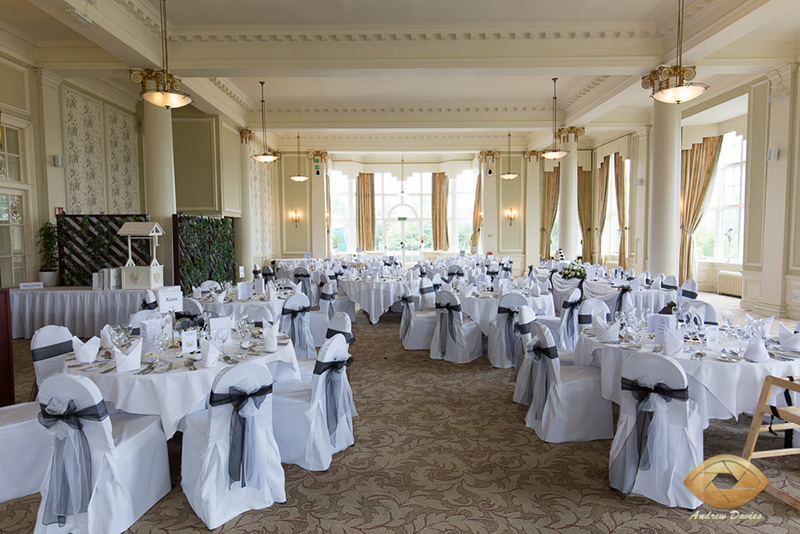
729	283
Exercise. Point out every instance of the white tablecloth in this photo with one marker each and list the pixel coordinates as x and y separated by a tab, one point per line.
82	310
238	306
177	393
722	390
650	300
376	297
484	310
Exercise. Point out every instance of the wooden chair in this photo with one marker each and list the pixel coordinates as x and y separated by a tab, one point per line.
790	414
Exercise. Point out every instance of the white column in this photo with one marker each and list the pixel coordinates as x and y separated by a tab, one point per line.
159	179
568	201
664	239
243	226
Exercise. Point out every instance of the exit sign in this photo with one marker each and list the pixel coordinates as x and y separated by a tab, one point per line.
402	218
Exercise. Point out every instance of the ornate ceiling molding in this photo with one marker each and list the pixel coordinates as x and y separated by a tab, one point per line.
585	90
227	88
424	109
142	12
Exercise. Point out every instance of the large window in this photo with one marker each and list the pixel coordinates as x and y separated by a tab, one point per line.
719	236
15	239
459	212
343	213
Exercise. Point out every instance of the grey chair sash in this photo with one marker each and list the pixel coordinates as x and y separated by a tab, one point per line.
688	294
668	286
333	383
426	290
620	296
585	318
535	394
296	331
511	338
446	324
239	466
51	351
61	499
348	336
149	305
571	308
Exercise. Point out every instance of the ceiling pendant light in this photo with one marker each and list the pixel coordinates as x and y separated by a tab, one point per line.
161	87
298	177
402	176
268	156
669	82
555	152
508	175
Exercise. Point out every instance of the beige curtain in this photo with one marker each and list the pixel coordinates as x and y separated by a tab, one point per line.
365	211
585	210
551	184
697	176
441	189
622	208
602	205
328	212
477	215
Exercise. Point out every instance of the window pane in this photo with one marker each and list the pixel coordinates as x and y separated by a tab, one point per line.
3	208
415	201
413	183
464	236
15	209
5	241
6	273
12	171
378	206
379	235
465	204
427	181
11	139
704	236
427	235
339	206
18	240
19	271
731	227
412	235
339	237
378	181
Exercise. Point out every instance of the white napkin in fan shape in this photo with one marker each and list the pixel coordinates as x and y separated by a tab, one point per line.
272	293
210	353
789	340
221	297
85	352
764	324
756	351
605	332
534	289
130	360
196	292
656	284
105	337
270	336
465	290
673	341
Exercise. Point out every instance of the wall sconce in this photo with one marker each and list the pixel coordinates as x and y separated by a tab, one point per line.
511	214
294	215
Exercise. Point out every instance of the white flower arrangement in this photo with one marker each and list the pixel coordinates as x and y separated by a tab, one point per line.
573	270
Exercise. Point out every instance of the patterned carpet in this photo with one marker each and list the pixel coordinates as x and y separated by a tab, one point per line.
441	448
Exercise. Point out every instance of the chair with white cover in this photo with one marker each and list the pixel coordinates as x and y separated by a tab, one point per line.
437	282
303	277
50	346
502	337
313	421
258	315
427	294
688	291
142	315
319	319
192	306
230	461
709	312
454	339
416	327
104	489
525	319
672	432
565	328
591	308
339	324
670	282
24	451
295	324
454	272
566	404
210	285
267	273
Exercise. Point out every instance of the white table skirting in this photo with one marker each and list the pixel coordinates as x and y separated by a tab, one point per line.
376	297
484	310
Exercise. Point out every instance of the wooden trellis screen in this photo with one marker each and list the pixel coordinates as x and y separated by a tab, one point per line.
87	243
202	250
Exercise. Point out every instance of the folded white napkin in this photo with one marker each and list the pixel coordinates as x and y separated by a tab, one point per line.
196	292
270	336
130	360
756	351
789	340
105	337
221	297
272	293
635	285
535	292
210	353
605	332
465	290
673	341
87	352
765	325
656	284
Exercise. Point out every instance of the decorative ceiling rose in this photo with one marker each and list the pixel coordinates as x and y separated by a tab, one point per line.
161	87
508	175
555	152
298	177
669	82
268	156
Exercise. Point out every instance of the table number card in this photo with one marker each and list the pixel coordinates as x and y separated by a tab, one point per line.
189	341
245	290
241	271
222	323
31	285
149	331
462	253
713	338
258	286
656	323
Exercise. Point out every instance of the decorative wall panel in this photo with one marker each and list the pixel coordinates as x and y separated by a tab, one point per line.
122	154
262	205
83	139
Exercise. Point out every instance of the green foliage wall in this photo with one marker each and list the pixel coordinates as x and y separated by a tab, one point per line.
203	250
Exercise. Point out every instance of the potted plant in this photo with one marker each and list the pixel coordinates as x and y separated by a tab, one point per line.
47	245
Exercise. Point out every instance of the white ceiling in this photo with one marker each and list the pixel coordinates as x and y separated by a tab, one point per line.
443	66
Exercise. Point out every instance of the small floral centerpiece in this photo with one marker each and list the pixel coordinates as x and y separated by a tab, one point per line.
573	270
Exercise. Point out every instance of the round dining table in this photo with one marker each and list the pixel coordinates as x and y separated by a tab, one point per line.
376	296
180	385
483	308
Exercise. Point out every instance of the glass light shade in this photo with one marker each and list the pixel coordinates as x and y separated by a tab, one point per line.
266	157
554	154
166	99
298	178
680	93
509	175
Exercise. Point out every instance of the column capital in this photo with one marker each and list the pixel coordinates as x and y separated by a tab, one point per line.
566	131
485	155
323	155
780	81
246	135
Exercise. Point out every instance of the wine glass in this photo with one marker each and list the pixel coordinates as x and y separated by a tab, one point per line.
162	342
222	336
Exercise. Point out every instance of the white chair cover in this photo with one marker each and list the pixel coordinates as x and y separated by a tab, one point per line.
688	291
115	494
295	324
303	277
454	339
314	421
673	433
192	306
670	282
143	315
591	308
223	477
502	337
709	313
416	328
210	285
525	319
49	348
565	402
24	451
565	328
427	294
319	319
